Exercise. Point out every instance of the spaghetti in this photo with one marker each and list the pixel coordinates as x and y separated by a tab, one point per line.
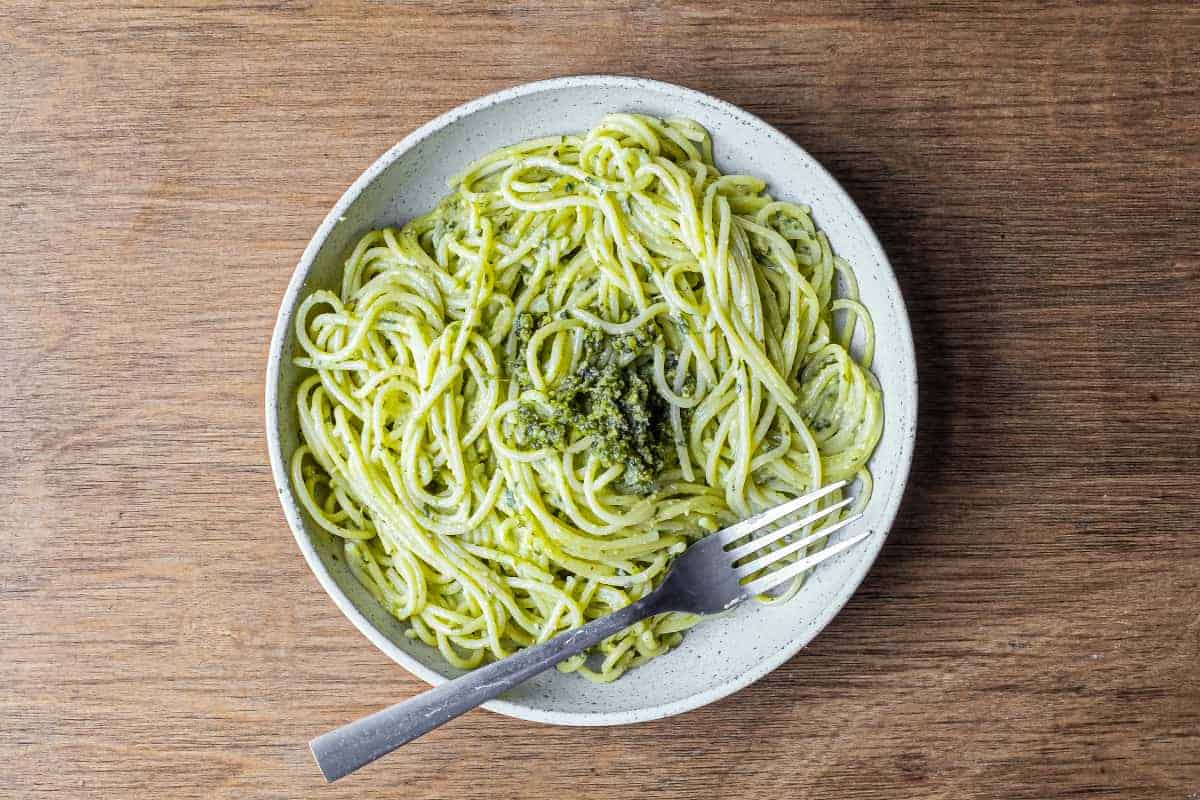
525	403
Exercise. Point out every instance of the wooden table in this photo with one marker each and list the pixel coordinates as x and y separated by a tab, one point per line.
1032	629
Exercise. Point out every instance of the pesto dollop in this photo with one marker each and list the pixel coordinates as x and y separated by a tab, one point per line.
610	397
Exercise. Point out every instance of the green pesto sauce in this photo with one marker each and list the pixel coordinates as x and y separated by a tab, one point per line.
610	397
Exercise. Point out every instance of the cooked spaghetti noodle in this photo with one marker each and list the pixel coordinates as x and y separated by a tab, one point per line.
525	403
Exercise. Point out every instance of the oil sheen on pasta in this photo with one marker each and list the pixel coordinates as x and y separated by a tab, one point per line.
596	349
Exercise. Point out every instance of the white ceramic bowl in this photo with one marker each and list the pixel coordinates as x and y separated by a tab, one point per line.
721	655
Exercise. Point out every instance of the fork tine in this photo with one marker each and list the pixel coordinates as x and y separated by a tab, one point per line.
755	545
770	581
766	559
750	525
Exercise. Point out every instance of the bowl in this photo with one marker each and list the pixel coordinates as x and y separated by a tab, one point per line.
721	654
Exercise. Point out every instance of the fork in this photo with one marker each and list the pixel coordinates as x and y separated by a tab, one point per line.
711	576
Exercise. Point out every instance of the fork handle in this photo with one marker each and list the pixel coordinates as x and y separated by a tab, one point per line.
357	744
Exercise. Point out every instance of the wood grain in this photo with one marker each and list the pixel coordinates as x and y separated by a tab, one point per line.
1032	629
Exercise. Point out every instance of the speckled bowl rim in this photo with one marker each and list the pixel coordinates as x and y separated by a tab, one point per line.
292	510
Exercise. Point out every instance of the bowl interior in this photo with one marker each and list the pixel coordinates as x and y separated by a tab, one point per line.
721	654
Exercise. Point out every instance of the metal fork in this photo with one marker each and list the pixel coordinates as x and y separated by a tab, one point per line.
709	577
